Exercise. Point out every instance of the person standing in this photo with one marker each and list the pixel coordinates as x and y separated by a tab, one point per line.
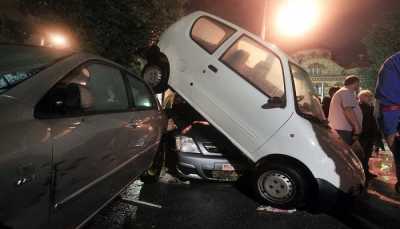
387	93
345	114
369	133
326	101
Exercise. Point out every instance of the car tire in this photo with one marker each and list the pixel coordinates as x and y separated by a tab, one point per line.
282	185
156	75
152	174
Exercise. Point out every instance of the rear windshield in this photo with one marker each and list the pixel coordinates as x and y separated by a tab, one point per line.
18	63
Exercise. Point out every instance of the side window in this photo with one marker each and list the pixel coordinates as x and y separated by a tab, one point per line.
90	89
142	96
257	65
106	85
210	34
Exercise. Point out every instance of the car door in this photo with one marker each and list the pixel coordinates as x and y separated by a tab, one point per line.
25	167
233	81
88	150
146	125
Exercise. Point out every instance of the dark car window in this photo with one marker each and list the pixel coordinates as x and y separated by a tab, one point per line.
210	34
142	96
257	65
94	88
18	63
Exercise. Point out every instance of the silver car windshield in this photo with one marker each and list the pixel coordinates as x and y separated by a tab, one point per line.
307	100
18	63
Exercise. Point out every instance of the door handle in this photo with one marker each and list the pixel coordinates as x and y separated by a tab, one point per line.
131	125
213	68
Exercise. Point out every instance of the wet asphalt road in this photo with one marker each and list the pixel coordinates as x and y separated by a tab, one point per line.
202	205
223	205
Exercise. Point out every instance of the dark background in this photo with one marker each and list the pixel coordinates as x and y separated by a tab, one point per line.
342	25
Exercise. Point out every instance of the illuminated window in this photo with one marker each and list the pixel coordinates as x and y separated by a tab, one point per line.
316	69
257	65
210	34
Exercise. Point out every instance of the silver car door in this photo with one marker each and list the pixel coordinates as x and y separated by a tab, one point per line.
148	121
85	135
25	166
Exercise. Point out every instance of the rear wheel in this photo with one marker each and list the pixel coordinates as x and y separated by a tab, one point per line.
156	75
284	186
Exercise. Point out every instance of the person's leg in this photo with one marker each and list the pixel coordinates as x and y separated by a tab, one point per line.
367	145
347	136
394	146
390	123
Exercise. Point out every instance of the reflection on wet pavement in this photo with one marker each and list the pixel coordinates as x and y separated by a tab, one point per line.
116	214
214	205
382	165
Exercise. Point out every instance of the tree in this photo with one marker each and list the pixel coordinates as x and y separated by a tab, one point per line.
12	31
111	28
381	42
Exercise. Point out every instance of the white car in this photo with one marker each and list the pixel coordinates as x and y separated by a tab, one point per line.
262	101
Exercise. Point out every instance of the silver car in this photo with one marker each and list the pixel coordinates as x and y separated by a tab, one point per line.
75	129
204	153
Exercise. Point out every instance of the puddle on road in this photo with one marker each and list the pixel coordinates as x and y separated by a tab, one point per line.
117	214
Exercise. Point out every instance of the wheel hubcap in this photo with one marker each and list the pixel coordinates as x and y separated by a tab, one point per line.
153	75
276	186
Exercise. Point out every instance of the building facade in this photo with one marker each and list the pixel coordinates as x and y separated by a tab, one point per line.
324	71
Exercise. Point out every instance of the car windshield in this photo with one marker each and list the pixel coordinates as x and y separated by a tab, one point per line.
18	63
307	101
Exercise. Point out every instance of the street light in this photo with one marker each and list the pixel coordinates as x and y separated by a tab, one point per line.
294	17
57	40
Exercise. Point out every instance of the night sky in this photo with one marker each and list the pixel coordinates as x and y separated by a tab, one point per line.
342	25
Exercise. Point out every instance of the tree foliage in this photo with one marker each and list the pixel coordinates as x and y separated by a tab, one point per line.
381	42
12	31
111	28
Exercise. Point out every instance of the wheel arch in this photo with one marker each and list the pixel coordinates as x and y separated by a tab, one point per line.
153	55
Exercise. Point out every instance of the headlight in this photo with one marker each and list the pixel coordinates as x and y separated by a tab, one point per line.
186	144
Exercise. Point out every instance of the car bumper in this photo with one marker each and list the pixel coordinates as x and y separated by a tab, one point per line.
212	168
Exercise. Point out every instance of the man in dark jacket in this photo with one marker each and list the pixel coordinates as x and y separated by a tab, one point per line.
369	133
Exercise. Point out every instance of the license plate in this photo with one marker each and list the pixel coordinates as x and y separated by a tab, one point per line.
227	167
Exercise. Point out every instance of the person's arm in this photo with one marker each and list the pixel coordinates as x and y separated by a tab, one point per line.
349	102
351	117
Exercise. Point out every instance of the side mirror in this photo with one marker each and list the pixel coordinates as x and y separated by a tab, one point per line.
274	102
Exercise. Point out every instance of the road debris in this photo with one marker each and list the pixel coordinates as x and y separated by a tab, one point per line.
139	202
167	178
270	209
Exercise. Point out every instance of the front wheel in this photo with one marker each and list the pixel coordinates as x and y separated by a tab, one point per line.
156	75
283	186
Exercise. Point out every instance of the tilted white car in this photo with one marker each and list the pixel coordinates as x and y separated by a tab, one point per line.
261	100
